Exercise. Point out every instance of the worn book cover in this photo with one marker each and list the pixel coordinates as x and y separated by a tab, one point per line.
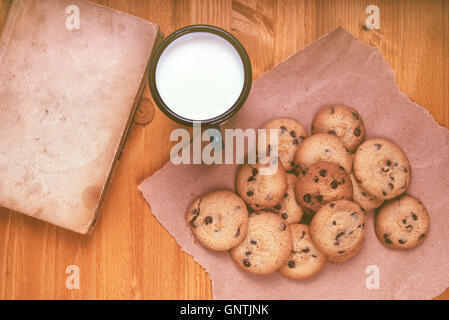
71	74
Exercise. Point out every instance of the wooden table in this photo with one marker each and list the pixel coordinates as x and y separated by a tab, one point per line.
130	255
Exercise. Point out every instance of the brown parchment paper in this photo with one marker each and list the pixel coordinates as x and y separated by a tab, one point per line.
336	69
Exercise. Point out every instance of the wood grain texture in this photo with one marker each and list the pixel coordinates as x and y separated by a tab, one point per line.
130	255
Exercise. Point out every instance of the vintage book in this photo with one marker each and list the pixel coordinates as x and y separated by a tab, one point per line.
68	92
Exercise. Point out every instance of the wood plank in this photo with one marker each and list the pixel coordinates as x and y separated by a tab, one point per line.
130	255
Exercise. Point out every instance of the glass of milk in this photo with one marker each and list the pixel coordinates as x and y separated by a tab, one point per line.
200	74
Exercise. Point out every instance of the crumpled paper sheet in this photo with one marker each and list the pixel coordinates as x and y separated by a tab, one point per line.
336	69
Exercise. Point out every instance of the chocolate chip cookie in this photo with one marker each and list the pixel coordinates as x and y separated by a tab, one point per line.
321	183
290	134
219	220
305	259
402	223
363	198
343	122
382	168
288	209
267	244
259	190
338	230
322	147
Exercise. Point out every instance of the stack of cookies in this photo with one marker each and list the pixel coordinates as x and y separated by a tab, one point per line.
312	209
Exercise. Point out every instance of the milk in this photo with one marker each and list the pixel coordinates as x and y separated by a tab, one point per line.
200	76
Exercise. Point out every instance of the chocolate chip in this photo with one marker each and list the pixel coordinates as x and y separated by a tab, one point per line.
250	193
385	169
255	172
254	242
291	264
414	216
332	110
390	186
208	220
293	134
302	235
278	207
327	150
305	170
237	233
305	250
295	142
332	132
237	208
283	130
252	178
377	146
388	163
323	172
286	195
316	179
392	179
283	227
409	227
355	115
334	223
402	241
384	193
192	222
347	150
313	256
422	236
385	235
284	216
334	184
357	132
339	235
404	221
332	205
361	226
319	197
341	168
388	241
307	198
341	251
292	163
354	215
364	194
248	253
246	263
302	138
405	169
